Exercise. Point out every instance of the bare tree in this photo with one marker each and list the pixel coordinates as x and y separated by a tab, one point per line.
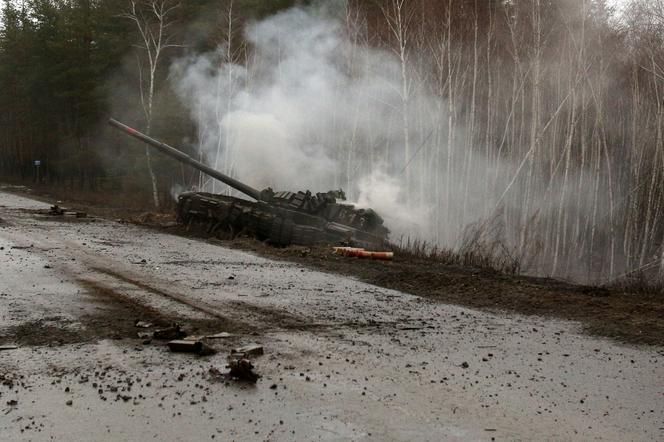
153	20
230	54
399	20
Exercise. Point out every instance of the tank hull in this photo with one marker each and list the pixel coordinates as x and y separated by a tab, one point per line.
280	226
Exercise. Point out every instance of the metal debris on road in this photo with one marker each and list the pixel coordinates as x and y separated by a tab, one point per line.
59	211
56	211
142	324
192	338
173	332
8	347
182	346
242	369
249	350
215	374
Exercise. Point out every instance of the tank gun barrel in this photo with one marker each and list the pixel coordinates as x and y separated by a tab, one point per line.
183	158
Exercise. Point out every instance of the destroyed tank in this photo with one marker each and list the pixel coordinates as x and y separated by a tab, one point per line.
281	218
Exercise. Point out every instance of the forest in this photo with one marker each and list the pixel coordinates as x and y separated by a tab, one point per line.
532	127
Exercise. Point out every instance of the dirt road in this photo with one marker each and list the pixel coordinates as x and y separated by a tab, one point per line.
343	360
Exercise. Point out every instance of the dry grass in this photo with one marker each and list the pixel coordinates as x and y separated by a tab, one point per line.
481	248
640	282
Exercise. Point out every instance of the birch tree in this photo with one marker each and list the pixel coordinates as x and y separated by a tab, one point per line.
229	55
153	20
399	20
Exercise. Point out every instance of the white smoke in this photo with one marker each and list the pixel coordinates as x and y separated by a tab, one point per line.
311	110
313	107
384	194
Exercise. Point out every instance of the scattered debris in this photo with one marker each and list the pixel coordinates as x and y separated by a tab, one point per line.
215	374
198	347
465	365
12	403
173	332
56	211
8	347
248	350
72	214
145	335
59	211
192	338
242	369
182	346
206	350
7	380
142	324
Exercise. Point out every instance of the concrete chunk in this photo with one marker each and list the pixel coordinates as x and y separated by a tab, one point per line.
250	350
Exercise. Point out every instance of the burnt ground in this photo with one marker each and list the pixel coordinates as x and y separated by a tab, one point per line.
636	318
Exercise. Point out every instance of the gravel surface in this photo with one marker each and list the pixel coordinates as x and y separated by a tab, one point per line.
343	360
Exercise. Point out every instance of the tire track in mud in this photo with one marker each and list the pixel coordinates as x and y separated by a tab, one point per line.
183	300
107	267
129	294
276	319
240	314
110	280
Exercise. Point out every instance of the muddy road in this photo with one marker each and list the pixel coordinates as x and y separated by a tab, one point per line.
343	360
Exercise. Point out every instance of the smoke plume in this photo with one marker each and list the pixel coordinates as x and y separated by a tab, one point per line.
311	111
315	108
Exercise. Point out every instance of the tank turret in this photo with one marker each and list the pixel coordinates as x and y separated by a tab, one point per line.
282	218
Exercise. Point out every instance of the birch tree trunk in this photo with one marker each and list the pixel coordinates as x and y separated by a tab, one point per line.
152	20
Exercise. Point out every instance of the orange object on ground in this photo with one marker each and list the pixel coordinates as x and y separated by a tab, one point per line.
354	252
386	256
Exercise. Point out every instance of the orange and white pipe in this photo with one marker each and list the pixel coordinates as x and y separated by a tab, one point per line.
355	252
